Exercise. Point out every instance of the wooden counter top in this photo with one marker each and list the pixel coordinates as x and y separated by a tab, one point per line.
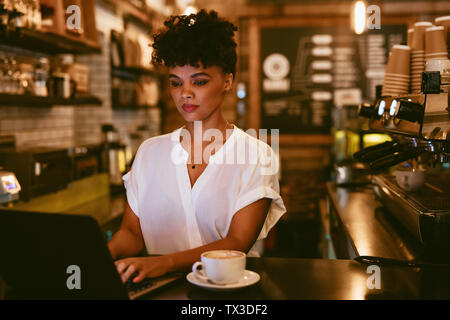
317	279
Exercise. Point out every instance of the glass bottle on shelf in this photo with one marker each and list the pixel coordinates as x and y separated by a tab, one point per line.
2	74
36	15
26	78
15	77
7	76
4	16
17	16
29	14
9	65
41	74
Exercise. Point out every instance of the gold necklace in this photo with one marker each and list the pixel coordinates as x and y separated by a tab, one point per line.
226	125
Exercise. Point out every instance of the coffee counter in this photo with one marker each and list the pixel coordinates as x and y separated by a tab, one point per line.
361	226
89	196
292	279
320	279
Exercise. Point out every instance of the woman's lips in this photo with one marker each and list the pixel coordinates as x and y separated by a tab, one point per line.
189	107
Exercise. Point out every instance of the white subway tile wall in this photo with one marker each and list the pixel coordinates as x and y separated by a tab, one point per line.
76	125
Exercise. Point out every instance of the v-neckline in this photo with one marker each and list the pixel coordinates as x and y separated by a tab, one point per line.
188	193
201	177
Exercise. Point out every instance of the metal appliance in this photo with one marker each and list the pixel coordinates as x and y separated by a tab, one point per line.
86	160
114	156
350	134
40	170
9	187
420	127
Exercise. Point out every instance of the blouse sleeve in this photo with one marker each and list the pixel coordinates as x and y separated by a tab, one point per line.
130	180
261	181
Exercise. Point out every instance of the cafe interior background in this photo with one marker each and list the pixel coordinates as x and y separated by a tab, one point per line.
75	104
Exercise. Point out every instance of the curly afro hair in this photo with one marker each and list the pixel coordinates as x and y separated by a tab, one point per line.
201	37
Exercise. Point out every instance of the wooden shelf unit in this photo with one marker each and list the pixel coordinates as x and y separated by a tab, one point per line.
37	101
49	43
87	35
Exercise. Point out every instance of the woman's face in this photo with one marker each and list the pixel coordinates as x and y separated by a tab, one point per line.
198	92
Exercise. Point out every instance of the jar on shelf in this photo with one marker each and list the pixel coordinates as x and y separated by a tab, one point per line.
26	79
41	77
4	16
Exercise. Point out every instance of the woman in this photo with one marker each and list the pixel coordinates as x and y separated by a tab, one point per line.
180	202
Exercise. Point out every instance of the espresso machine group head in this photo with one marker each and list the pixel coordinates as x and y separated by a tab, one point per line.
420	121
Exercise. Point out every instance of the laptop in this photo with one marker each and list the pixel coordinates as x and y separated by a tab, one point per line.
60	256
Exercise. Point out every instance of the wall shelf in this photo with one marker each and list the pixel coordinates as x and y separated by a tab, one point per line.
131	73
50	43
36	101
133	107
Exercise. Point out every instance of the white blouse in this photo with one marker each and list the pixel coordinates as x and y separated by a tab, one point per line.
175	217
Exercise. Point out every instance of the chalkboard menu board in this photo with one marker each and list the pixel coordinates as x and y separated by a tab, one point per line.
304	69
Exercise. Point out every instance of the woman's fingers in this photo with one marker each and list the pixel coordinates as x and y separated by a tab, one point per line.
142	267
126	268
129	272
121	265
139	277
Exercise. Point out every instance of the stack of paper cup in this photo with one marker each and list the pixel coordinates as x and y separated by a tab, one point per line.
444	22
396	78
410	35
435	44
437	55
418	55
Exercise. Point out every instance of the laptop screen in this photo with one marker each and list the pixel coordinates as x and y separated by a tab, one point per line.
56	256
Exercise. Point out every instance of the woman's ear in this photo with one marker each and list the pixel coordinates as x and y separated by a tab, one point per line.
228	82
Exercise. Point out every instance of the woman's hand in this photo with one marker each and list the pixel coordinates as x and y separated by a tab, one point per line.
146	267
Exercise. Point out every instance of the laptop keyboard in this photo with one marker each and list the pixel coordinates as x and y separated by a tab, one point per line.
136	287
136	290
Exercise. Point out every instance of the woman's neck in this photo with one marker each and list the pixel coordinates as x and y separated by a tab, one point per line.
215	121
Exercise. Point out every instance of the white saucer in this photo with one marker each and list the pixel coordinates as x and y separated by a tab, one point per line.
249	278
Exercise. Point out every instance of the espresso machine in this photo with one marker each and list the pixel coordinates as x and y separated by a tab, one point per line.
419	125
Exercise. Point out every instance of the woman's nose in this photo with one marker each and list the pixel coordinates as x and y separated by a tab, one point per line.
187	92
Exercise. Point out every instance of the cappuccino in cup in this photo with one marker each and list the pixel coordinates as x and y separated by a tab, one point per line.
223	254
221	266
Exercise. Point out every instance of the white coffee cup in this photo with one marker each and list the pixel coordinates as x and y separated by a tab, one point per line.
410	180
221	266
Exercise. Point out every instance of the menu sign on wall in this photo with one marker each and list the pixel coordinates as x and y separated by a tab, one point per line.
304	70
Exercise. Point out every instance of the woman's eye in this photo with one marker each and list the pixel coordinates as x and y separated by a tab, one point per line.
200	82
175	84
